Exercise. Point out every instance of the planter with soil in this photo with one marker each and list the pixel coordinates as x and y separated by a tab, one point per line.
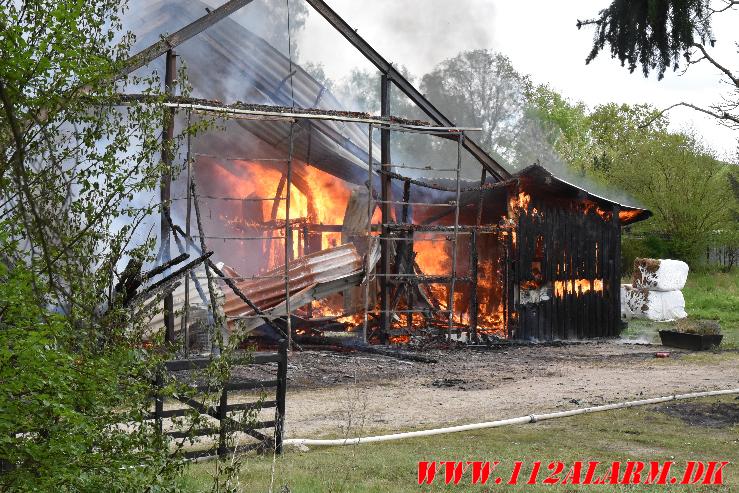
696	335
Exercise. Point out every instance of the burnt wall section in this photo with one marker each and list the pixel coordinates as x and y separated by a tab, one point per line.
564	273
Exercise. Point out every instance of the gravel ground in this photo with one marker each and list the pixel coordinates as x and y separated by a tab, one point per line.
333	393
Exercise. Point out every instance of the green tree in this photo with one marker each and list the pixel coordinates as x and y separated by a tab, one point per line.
659	34
684	184
565	126
481	88
74	388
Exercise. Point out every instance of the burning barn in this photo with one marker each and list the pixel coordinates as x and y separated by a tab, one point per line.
309	214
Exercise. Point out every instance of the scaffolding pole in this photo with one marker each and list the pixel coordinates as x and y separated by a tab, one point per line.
455	236
288	233
370	211
385	202
186	316
166	187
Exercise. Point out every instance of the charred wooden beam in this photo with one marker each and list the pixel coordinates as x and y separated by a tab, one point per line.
172	277
393	353
166	265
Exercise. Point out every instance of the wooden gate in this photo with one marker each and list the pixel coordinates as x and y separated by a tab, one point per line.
222	412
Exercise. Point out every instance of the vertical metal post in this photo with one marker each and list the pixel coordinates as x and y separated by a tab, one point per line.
165	186
186	315
450	305
307	251
288	232
384	269
370	210
473	296
281	393
407	268
474	309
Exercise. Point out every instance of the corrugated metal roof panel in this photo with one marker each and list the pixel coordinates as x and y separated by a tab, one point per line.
320	267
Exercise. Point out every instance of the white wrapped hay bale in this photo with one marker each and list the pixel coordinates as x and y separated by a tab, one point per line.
625	293
660	274
660	306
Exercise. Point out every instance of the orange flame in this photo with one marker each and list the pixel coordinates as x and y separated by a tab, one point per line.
577	287
322	199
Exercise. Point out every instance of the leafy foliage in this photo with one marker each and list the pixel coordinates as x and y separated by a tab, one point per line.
652	33
62	400
74	383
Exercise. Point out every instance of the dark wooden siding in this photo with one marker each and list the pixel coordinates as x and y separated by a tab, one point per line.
564	244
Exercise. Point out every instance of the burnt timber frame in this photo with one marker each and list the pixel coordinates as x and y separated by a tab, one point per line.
389	74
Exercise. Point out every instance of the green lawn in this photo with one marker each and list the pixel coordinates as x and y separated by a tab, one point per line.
641	433
711	295
632	434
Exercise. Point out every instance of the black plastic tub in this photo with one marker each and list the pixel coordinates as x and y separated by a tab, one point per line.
684	340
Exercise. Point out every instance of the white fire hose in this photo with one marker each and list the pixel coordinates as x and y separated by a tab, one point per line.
532	418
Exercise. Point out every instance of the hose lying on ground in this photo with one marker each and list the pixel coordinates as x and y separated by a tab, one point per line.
532	418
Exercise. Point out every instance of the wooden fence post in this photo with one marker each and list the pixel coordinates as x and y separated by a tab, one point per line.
158	400
222	420
281	390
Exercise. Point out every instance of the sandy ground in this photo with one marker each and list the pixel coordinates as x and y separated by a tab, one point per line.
331	394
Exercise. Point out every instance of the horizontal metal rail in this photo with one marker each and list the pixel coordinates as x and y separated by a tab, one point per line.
246	238
237	199
234	158
316	116
423	168
424	204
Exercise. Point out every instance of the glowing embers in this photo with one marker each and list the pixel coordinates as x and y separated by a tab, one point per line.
577	287
328	307
591	207
629	216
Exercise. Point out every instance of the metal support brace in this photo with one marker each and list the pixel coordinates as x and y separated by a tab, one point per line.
165	187
385	198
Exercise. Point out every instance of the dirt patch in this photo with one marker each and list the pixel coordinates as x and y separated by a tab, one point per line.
715	415
327	390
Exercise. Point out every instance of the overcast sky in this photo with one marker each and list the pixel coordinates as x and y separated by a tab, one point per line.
540	38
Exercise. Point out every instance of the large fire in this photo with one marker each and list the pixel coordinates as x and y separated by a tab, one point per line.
316	198
318	203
